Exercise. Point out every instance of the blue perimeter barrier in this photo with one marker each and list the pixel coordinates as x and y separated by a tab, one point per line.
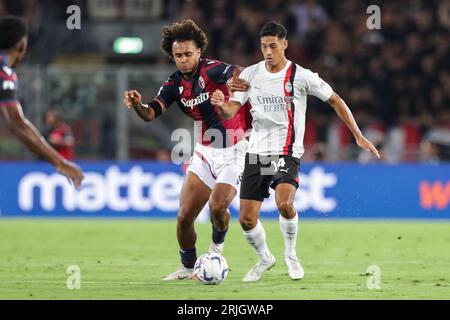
152	189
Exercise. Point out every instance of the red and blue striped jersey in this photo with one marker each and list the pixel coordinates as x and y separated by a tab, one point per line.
193	98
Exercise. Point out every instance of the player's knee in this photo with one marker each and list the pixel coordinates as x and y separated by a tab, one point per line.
218	207
185	220
247	222
285	206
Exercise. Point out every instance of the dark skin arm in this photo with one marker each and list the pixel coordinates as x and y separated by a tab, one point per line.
342	110
133	99
24	130
227	110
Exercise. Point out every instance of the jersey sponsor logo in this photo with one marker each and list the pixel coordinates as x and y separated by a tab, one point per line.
201	82
8	85
276	101
270	99
196	101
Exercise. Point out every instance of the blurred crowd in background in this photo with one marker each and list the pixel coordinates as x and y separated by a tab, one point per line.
396	79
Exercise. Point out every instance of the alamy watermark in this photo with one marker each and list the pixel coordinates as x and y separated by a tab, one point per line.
74	279
374	20
374	279
73	22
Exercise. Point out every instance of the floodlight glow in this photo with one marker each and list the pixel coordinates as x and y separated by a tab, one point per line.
128	45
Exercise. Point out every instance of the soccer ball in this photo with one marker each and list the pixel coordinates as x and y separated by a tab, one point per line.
211	268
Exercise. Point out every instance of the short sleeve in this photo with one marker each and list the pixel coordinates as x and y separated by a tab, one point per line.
316	86
168	93
239	96
220	72
8	87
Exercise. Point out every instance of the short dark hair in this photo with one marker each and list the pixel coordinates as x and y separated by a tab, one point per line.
185	30
273	28
12	30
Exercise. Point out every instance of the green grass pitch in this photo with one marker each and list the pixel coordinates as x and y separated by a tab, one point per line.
125	259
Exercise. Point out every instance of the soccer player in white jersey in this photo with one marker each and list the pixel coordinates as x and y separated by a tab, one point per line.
277	91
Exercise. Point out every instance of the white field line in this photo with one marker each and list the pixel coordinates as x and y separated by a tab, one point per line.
157	282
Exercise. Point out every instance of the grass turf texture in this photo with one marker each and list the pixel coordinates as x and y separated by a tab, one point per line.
125	259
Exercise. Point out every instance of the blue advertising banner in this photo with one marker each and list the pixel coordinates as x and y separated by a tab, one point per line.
152	189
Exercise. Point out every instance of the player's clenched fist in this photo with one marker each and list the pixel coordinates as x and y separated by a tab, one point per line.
218	98
132	98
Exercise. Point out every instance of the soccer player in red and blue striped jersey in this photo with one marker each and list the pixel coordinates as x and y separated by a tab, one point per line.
218	159
13	45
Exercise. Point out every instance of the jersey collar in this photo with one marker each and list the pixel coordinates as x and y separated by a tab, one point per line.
197	72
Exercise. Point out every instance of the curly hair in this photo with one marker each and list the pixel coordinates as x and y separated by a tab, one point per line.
182	31
12	30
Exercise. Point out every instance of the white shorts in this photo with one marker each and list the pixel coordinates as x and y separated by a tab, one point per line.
219	165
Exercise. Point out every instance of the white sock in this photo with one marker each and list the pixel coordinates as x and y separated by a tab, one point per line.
289	228
256	237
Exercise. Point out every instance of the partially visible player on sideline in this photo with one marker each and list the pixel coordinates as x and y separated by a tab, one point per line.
59	134
218	161
278	89
13	45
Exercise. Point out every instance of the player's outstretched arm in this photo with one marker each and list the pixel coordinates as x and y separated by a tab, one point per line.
35	142
227	110
133	99
343	111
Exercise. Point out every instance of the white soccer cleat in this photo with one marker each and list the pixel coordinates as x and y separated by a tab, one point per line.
216	247
181	274
257	271
294	267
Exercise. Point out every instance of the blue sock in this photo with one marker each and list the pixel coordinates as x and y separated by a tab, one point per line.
218	236
188	257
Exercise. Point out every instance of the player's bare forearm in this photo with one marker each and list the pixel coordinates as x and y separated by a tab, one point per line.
226	109
229	109
35	142
343	111
133	99
346	115
144	112
26	132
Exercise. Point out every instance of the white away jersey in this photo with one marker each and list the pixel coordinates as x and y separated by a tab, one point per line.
279	107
